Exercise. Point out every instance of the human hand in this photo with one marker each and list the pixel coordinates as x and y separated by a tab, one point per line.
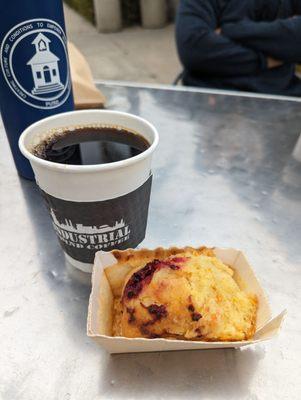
218	31
273	63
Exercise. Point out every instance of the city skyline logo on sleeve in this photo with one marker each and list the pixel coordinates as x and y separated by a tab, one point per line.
90	237
85	227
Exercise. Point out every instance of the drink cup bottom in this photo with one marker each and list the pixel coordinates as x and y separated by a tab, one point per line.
85	267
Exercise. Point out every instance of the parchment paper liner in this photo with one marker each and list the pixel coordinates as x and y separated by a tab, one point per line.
108	273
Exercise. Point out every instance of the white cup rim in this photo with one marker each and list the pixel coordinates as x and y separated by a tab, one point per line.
87	168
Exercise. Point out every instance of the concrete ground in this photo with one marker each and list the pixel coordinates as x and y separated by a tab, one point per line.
134	54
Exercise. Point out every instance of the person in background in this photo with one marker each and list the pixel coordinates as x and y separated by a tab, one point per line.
250	45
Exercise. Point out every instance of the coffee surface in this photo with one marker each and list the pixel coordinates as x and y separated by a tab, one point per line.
91	145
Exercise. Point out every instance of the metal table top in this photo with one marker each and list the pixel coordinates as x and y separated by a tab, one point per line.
226	174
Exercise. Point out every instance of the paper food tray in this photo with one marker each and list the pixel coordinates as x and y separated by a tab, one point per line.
100	313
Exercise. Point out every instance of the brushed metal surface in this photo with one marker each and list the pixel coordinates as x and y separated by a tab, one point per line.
226	174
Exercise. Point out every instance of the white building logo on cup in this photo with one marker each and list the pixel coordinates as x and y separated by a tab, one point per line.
34	61
91	237
44	67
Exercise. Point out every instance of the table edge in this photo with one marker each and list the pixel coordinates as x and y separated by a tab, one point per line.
196	90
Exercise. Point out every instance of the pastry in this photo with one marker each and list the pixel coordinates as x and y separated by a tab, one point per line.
186	294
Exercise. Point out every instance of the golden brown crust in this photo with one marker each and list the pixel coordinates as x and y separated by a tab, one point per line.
175	303
159	252
117	315
117	331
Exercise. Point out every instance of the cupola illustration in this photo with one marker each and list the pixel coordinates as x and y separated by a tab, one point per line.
44	67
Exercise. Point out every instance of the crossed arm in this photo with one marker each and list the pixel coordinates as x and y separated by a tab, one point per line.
202	50
280	39
240	48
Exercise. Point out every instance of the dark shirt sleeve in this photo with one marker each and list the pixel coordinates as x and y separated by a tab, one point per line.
201	50
280	39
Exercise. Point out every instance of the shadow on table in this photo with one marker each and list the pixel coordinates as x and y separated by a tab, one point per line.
69	286
187	374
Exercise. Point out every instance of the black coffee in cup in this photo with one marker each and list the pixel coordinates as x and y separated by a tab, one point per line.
96	190
90	145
